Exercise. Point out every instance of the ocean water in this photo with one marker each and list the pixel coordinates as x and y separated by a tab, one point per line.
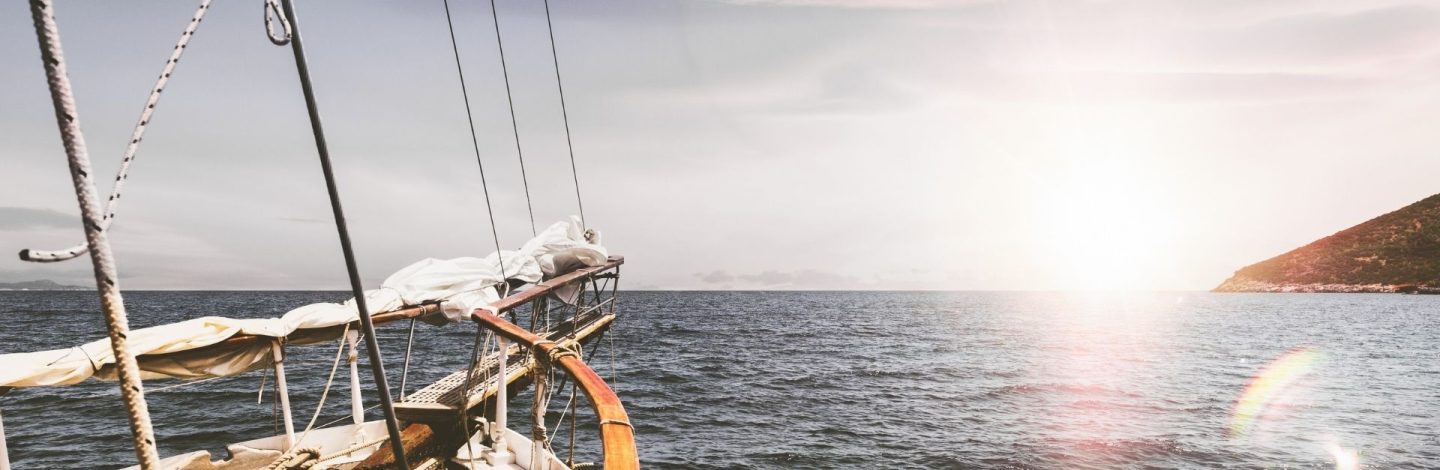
842	379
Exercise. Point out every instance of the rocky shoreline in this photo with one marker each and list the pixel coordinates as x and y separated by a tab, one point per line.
1251	285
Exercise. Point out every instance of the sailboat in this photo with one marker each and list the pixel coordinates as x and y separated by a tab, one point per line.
562	286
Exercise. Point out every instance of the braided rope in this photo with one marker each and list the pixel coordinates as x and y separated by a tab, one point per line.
135	137
272	11
302	458
127	370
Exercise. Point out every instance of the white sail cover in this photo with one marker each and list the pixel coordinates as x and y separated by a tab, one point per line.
463	284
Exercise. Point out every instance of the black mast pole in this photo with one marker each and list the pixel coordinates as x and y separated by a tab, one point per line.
376	366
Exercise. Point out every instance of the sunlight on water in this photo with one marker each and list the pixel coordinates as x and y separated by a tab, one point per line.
986	380
1345	459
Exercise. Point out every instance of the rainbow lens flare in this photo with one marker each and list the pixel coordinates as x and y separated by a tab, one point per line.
1268	387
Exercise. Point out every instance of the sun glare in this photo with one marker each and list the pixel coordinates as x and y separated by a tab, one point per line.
1109	228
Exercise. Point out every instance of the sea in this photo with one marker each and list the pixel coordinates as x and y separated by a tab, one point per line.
818	380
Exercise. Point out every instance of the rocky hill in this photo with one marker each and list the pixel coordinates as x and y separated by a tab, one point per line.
1395	252
43	284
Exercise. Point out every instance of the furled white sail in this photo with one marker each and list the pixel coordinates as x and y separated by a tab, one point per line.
462	284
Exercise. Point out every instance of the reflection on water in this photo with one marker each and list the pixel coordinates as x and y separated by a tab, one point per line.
833	380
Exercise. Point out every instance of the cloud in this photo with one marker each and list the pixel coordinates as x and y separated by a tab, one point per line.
866	4
24	218
802	279
718	276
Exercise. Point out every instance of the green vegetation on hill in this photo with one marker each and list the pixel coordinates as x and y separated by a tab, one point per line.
1398	251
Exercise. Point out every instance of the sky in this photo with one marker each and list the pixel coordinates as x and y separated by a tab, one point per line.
743	144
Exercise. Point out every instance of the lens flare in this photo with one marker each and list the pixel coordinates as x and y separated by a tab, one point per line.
1267	387
1345	459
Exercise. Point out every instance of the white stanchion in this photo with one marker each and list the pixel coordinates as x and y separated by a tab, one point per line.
500	454
357	407
4	451
283	392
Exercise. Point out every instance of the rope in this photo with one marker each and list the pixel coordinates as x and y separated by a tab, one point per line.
351	450
343	418
187	384
260	395
474	140
296	459
514	127
106	282
564	115
289	458
538	435
272	11
372	346
135	137
465	392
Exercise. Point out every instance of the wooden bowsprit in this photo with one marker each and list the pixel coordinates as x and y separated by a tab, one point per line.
433	412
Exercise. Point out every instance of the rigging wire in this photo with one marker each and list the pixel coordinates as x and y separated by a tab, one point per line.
565	116
377	366
474	140
514	126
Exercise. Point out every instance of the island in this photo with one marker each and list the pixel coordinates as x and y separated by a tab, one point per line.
43	284
1398	252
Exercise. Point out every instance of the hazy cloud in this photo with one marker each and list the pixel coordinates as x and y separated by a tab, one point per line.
799	144
801	279
715	277
885	4
24	218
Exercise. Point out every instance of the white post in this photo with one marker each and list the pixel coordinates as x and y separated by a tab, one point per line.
357	407
4	452
501	454
283	392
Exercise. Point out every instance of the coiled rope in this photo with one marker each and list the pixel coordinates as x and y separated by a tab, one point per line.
131	148
118	327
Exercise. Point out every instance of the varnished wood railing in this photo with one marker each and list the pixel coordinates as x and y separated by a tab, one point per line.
616	434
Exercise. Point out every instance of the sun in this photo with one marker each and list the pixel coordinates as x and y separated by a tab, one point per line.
1106	224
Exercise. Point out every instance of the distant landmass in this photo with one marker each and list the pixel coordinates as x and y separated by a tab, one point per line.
43	284
1395	252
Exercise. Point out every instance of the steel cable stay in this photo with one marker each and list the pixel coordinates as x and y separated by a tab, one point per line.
474	139
565	115
464	415
377	366
514	124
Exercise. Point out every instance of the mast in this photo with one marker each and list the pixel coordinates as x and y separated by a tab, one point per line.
392	425
106	280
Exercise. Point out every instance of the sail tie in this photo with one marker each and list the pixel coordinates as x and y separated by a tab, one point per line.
137	135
